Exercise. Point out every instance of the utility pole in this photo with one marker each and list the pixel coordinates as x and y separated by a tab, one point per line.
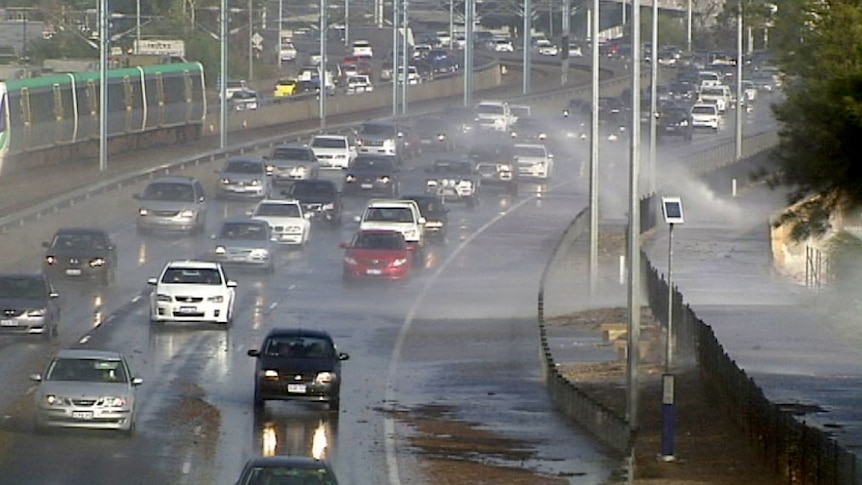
564	42
528	29
323	91
223	77
250	42
104	52
469	20
404	57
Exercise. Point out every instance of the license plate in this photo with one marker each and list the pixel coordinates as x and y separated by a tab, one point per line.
8	323
85	415
73	272
367	186
296	388
373	272
188	309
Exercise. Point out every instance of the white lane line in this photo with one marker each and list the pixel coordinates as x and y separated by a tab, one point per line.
389	437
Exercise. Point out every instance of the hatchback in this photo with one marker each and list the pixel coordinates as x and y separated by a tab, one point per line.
28	305
296	364
245	242
172	204
85	388
81	253
376	254
243	177
271	470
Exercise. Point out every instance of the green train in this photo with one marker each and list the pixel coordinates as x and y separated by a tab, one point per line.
54	118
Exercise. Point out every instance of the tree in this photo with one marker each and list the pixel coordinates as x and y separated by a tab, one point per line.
820	55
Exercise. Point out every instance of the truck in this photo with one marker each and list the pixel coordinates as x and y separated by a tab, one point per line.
494	115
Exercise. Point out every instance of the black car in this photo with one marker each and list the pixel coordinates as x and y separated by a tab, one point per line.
373	175
298	365
435	212
453	180
28	305
81	253
674	121
436	133
498	169
531	130
319	197
290	469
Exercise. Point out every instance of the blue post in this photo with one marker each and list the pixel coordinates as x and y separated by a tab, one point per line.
667	417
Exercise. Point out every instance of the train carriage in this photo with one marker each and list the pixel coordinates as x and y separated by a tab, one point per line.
53	118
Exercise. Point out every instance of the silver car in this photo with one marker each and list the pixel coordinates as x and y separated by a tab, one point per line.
292	162
84	388
245	242
172	204
243	177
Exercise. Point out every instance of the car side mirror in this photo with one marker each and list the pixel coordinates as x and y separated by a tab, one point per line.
253	353
343	245
421	220
343	356
231	283
137	381
152	281
357	219
36	377
136	196
53	294
46	244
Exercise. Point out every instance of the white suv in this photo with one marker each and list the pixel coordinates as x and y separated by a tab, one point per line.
533	160
285	217
333	151
403	216
192	291
705	115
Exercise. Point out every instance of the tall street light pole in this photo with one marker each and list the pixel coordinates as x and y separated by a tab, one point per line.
593	16
322	92
634	256
564	42
469	10
280	24
653	104
688	15
404	58
104	51
740	95
223	74
528	30
138	21
395	60
250	42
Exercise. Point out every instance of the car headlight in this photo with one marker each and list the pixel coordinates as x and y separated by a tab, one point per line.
441	137
384	179
339	156
349	178
163	298
143	212
270	169
542	136
256	182
220	250
259	253
225	181
37	312
50	259
328	207
216	299
270	374
115	401
399	262
325	378
54	400
187	213
349	260
97	262
683	123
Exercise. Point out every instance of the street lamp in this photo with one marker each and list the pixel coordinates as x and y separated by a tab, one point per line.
671	208
104	51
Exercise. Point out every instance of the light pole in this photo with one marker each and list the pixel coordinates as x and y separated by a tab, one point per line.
223	11
395	60
404	59
594	150
653	109
280	23
688	15
528	29
138	21
739	92
671	208
104	51
469	11
323	35
250	42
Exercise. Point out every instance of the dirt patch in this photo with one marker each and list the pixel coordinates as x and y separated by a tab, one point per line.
199	422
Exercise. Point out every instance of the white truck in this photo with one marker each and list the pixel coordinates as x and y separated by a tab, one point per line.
494	115
399	215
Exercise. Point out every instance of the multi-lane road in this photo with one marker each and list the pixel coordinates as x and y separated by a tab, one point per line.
451	353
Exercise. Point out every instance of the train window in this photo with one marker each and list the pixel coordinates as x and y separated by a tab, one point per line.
160	88
59	111
92	99
128	94
26	114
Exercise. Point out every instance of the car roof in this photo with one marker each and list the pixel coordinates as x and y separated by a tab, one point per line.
298	332
334	137
529	145
282	461
243	220
89	354
389	202
174	179
191	263
81	230
278	202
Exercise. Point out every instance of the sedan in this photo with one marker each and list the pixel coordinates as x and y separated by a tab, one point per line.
243	177
372	174
376	254
298	364
85	388
81	253
192	291
28	305
268	470
246	242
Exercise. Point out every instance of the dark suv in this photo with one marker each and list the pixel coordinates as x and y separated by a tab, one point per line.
319	197
28	305
81	253
298	365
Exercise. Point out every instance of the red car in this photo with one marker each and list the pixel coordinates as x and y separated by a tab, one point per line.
376	254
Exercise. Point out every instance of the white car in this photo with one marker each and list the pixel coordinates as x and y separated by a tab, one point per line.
358	84
399	215
719	94
575	50
289	224
546	48
192	291
502	45
362	48
533	160
333	151
413	76
705	115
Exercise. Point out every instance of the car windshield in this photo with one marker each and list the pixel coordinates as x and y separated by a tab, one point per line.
280	210
462	168
703	110
389	214
529	152
87	370
378	129
291	154
489	109
325	142
169	192
312	189
306	347
22	287
192	276
78	241
363	163
244	166
244	230
377	240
